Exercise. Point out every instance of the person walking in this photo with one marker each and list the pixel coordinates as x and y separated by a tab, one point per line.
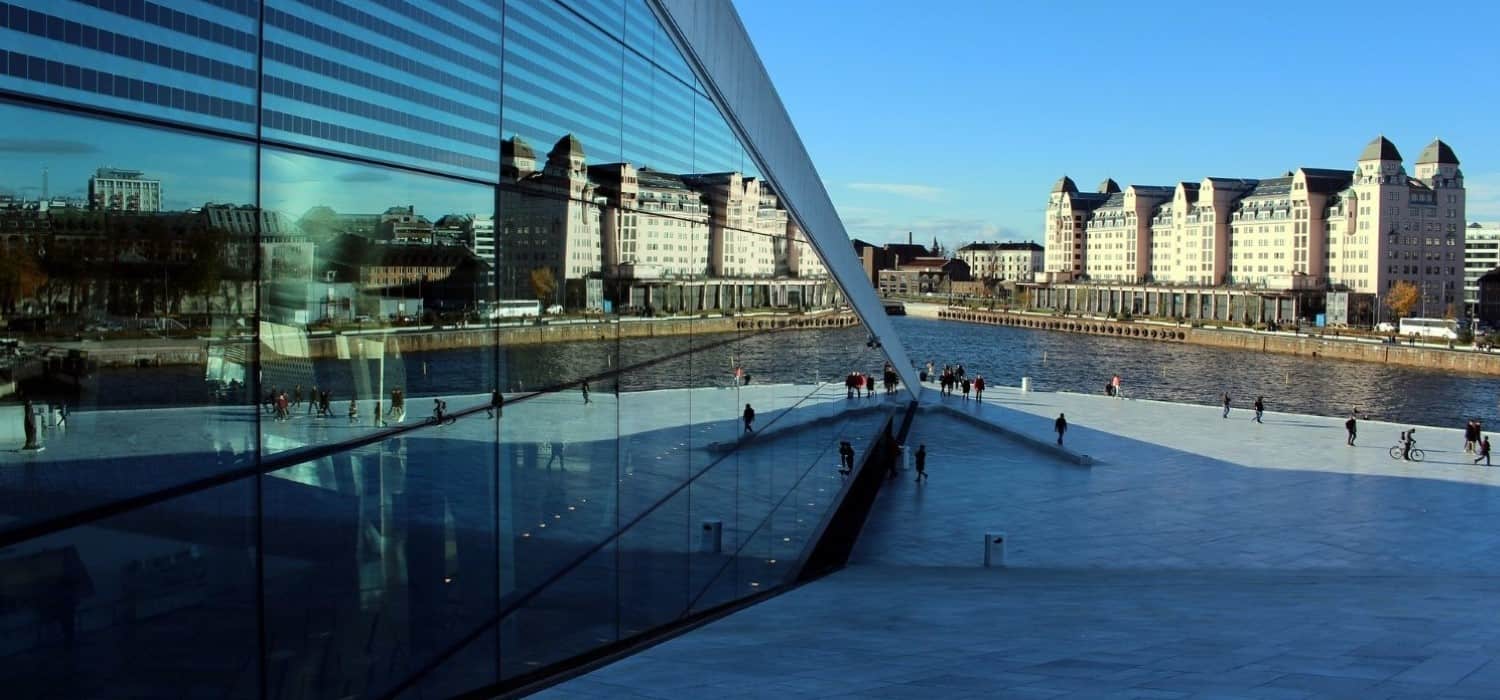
846	458
585	388
921	463
1226	404
313	398
1484	452
1471	437
979	388
297	396
964	384
1260	408
749	416
1350	427
1061	426
353	412
497	404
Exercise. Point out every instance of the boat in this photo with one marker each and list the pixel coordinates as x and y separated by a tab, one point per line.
895	308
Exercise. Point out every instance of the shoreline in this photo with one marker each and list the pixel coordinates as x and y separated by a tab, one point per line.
1310	347
329	345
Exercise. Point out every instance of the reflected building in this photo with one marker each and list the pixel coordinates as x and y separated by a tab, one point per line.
252	442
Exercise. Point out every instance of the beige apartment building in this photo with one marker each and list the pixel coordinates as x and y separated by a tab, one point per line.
1360	230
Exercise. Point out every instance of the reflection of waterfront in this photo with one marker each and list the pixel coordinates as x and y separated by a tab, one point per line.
1058	361
820	354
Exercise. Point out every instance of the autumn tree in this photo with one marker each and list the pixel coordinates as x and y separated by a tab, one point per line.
544	285
21	277
1401	298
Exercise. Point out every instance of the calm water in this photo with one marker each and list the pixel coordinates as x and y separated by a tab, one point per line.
1058	361
820	355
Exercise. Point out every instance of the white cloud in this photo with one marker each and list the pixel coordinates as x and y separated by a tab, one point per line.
913	191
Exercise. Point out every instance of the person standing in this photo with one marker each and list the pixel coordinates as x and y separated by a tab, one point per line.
1061	426
353	411
586	391
1225	399
964	384
846	458
28	424
749	416
297	396
1471	437
979	388
1350	426
921	463
313	400
1260	408
1115	387
1484	452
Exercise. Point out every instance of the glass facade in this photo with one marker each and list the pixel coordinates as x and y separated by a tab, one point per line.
389	347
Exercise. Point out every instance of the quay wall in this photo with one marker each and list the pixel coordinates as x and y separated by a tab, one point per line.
195	352
1314	347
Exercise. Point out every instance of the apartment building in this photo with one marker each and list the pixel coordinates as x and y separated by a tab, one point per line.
1481	254
1362	230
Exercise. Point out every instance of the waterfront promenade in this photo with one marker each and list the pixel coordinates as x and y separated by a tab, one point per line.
1197	557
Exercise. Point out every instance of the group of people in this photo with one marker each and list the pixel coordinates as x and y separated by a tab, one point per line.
1259	406
858	384
279	404
955	377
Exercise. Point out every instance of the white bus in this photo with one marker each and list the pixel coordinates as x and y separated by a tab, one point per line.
514	308
1444	328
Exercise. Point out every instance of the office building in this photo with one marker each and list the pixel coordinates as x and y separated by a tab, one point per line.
1481	254
294	309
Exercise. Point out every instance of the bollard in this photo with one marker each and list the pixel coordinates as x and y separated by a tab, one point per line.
711	538
994	549
1025	384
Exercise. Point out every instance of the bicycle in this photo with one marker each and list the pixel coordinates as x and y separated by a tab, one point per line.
1414	454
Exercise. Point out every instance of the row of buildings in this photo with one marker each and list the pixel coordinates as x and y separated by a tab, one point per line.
608	236
1290	238
975	269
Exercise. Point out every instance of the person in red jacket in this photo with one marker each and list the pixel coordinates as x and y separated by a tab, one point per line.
979	388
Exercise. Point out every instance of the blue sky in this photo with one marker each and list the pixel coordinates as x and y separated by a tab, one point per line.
954	118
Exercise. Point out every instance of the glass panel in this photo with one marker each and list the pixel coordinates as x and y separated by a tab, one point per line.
125	287
193	65
378	559
159	602
374	300
371	79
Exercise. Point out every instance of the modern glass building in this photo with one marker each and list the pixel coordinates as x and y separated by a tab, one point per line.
405	348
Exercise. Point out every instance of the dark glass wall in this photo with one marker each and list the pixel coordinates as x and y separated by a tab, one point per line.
266	269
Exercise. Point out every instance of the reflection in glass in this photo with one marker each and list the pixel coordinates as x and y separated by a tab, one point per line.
126	269
375	305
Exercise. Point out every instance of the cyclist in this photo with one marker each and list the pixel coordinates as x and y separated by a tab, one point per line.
1408	441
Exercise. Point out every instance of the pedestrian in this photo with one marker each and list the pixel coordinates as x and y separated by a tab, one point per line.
1061	426
1116	390
1471	437
1484	452
297	396
749	416
379	416
585	388
312	400
979	388
28	425
965	385
1350	427
846	458
921	463
1260	408
353	411
1225	399
497	404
